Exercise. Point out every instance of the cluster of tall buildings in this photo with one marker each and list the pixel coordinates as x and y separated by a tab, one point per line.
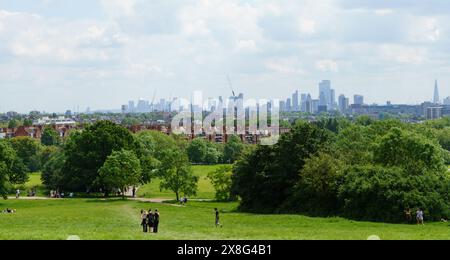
326	102
145	106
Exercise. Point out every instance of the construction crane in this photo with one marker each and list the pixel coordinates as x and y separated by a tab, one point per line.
152	105
231	86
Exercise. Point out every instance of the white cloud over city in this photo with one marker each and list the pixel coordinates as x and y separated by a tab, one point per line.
56	55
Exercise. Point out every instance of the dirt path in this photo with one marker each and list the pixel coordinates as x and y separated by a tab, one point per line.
28	198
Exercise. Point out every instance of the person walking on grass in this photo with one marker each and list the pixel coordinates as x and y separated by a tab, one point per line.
155	221
150	221
17	193
217	222
144	221
420	217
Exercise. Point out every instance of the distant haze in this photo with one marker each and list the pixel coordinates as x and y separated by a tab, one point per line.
65	54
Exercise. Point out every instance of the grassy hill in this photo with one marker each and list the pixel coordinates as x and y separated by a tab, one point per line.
119	219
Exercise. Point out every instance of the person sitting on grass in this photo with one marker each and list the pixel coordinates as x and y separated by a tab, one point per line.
144	221
150	221
9	211
420	217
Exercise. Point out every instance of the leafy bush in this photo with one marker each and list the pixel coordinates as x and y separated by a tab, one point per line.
221	179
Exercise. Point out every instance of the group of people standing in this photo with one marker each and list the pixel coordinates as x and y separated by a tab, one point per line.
150	221
420	216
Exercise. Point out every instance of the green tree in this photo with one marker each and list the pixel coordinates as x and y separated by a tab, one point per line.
176	174
221	179
380	193
50	137
196	150
317	191
233	149
150	145
28	150
52	174
86	152
13	123
27	122
203	151
410	151
7	158
121	170
266	177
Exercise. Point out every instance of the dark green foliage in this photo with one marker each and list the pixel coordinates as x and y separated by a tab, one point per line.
265	178
121	170
87	151
203	152
379	193
52	173
371	170
233	149
28	150
221	179
50	137
318	188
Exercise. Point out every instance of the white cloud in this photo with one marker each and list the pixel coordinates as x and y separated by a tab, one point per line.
327	65
285	66
246	45
425	29
384	12
307	26
403	55
119	7
178	46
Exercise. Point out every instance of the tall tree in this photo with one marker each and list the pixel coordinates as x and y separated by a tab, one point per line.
86	152
176	173
121	170
28	150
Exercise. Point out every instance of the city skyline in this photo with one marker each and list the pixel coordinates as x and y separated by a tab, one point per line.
59	55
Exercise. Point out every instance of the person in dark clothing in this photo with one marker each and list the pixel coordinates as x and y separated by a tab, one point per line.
155	221
150	221
144	221
217	218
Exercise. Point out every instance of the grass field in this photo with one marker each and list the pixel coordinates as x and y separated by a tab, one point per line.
119	219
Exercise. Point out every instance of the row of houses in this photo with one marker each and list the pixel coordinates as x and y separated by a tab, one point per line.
33	131
37	130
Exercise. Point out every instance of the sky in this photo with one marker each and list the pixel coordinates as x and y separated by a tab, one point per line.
63	54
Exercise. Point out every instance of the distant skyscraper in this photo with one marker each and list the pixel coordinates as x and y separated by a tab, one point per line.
288	105
304	98
325	92
295	102
358	100
344	104
333	100
283	106
436	99
131	106
432	113
447	101
308	104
